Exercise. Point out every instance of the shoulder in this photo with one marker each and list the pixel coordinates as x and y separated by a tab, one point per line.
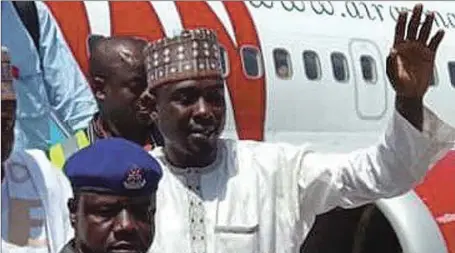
269	159
57	184
27	156
40	158
37	154
265	149
45	165
158	154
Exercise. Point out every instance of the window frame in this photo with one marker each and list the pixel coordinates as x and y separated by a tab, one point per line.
227	62
346	67
375	74
259	61
450	66
319	66
288	63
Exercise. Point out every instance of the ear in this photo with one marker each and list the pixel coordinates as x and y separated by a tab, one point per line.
99	87
154	117
72	207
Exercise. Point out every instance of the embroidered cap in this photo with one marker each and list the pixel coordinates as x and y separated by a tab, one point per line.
8	92
192	54
115	166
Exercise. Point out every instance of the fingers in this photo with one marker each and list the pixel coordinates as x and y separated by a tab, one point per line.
400	28
426	28
436	40
414	23
413	28
391	67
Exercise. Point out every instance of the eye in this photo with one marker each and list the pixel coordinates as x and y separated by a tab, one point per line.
141	212
106	212
215	97
186	98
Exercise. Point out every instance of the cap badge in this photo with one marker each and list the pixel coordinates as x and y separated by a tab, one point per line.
135	179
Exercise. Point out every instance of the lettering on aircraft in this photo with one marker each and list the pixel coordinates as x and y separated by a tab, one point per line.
352	9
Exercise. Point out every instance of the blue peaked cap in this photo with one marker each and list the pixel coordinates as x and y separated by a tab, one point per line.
114	166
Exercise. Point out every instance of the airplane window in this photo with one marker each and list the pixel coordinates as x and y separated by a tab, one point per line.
283	66
368	69
451	66
251	62
312	65
224	61
340	67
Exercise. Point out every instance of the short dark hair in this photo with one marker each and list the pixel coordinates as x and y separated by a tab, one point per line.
102	52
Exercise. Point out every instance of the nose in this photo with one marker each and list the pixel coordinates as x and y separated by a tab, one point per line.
125	222
203	109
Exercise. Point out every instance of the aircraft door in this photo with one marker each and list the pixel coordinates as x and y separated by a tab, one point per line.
370	79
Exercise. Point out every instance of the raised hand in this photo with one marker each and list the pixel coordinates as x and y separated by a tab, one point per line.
411	61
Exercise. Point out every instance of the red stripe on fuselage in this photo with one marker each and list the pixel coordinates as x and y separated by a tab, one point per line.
247	96
73	22
135	19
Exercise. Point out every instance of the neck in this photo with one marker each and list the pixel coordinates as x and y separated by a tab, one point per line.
182	159
80	247
139	135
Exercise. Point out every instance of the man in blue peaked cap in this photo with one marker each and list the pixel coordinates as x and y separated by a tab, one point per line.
114	183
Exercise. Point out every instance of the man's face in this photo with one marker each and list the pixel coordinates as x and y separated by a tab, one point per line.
8	120
107	223
122	88
123	91
191	114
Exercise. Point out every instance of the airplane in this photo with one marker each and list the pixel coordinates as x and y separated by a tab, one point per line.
301	71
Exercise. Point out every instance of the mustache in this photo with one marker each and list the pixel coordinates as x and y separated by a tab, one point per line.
132	241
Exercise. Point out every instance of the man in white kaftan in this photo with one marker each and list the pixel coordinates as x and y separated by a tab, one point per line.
34	197
243	196
260	197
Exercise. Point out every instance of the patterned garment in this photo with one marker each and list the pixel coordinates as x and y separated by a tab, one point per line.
263	197
195	53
